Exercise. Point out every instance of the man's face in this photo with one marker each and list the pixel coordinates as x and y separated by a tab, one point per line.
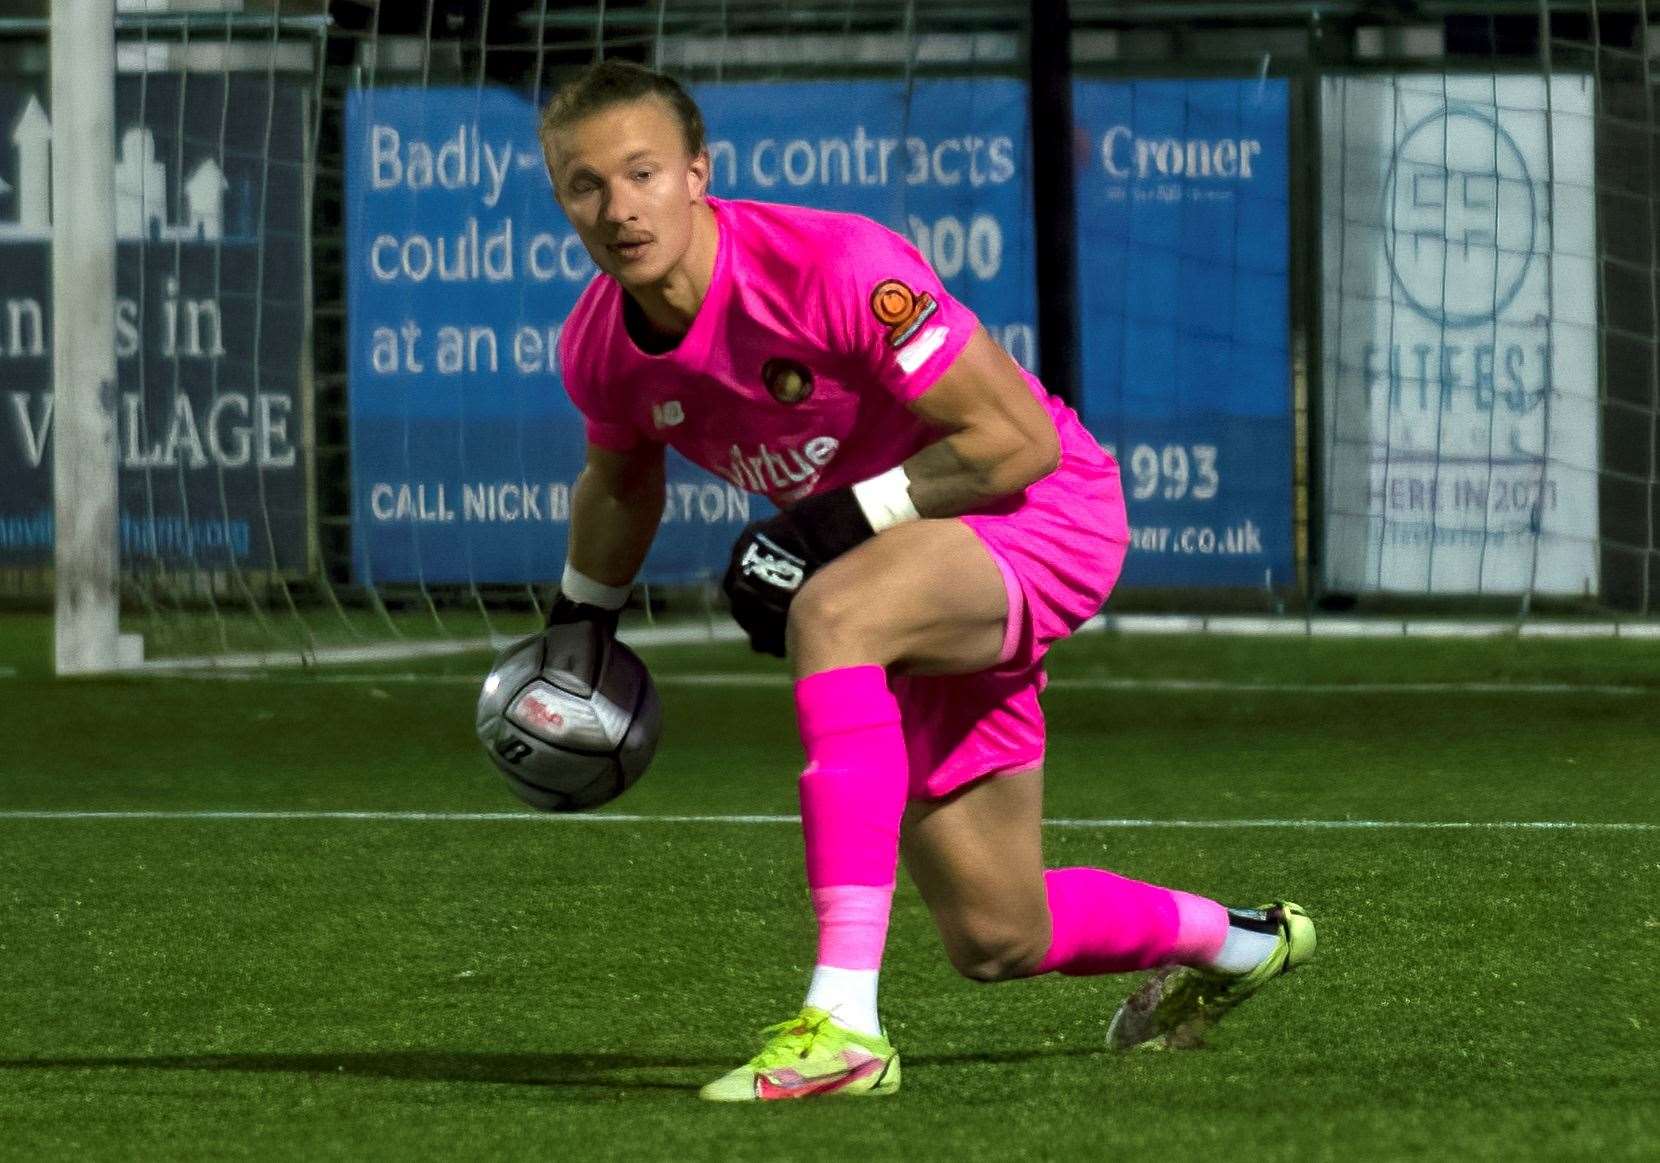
623	178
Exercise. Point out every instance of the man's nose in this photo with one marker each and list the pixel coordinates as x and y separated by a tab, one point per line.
619	203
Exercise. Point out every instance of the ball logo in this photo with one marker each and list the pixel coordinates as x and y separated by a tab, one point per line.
539	713
543	717
788	381
1459	217
901	310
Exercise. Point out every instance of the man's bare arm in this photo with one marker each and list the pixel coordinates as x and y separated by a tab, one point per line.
997	439
1000	438
615	509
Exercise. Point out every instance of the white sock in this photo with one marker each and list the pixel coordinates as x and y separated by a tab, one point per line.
848	996
1243	950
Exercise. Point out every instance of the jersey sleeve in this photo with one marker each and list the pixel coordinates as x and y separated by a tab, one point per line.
612	435
891	314
604	416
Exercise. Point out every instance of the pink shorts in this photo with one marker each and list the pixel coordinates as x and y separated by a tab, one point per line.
1060	547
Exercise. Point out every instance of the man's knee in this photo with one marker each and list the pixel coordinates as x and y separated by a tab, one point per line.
828	610
990	953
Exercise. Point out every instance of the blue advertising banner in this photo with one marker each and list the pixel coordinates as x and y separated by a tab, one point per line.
210	313
1184	290
463	269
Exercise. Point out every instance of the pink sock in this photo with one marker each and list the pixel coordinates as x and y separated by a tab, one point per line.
1106	923
852	797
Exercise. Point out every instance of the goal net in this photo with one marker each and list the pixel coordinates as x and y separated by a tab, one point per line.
1462	386
1364	302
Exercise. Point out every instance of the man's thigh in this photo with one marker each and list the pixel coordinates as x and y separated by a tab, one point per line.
927	597
977	858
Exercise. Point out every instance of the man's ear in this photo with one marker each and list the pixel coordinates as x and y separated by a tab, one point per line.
697	176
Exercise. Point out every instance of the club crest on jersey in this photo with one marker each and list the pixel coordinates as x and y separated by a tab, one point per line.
901	310
788	381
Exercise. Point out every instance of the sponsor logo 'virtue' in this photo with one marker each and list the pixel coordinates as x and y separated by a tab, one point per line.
787	474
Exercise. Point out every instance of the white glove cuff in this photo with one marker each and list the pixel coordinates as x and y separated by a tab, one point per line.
579	587
886	499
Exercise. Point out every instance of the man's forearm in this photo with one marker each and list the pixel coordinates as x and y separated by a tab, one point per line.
611	532
964	471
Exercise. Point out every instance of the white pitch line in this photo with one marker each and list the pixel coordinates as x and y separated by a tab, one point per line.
757	680
1338	688
722	630
754	680
696	633
1184	685
624	818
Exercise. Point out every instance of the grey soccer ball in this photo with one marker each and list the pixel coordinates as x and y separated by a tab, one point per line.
570	716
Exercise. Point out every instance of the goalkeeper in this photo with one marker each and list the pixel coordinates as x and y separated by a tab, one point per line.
943	521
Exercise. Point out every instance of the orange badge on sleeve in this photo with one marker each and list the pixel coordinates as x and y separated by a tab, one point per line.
901	310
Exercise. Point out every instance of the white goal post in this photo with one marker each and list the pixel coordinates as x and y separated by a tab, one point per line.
85	562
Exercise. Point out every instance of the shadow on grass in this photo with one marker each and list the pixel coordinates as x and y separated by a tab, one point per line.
612	1072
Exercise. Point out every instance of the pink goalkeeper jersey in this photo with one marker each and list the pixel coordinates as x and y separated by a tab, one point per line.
817	329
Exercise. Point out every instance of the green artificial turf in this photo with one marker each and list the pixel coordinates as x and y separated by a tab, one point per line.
545	988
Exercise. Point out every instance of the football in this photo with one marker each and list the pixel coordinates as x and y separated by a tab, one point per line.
570	716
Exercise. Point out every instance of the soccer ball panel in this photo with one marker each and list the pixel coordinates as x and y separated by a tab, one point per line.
640	742
514	667
563	719
553	780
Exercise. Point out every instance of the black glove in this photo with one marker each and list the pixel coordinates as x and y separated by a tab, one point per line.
769	565
562	611
772	560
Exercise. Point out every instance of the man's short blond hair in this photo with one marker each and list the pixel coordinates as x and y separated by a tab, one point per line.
609	83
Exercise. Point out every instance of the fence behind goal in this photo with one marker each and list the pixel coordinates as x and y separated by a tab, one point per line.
1365	307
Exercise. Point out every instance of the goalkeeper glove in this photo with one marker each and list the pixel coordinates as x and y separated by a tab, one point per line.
562	611
772	559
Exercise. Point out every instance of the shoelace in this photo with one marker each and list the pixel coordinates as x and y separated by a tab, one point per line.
789	1041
